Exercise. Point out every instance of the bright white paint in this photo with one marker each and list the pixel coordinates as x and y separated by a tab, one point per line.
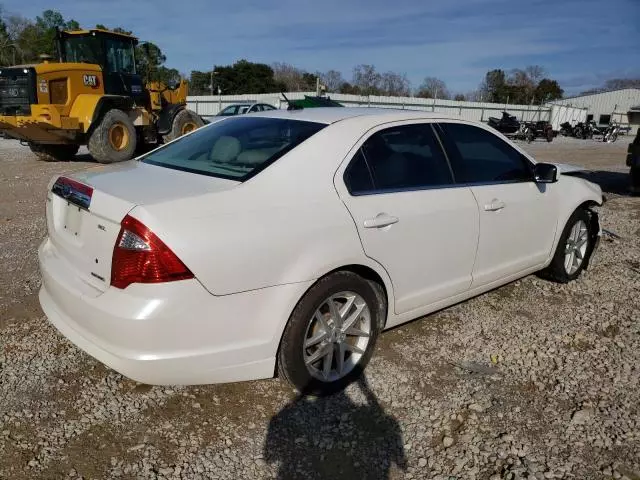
256	247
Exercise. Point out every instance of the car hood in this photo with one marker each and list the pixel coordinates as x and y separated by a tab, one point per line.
568	168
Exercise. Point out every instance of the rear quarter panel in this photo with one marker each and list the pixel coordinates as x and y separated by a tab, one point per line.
285	225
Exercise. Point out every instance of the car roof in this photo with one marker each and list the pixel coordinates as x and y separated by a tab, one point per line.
330	115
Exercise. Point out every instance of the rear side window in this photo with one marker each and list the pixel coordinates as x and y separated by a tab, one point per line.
399	158
479	156
236	148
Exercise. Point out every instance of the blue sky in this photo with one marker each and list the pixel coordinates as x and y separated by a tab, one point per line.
581	43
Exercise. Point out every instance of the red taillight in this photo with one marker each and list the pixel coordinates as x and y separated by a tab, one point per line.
139	256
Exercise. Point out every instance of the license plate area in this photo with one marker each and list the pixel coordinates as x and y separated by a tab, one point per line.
72	220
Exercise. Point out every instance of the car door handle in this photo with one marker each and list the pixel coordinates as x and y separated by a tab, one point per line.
494	206
380	220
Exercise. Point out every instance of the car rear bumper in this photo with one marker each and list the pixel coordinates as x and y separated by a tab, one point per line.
172	333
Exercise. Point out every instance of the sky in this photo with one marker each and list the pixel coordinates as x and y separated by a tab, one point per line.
580	43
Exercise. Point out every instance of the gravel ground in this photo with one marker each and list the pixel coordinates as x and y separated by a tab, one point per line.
532	380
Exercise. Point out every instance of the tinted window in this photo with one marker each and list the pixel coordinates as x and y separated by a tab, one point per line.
604	119
358	177
404	157
480	156
236	148
266	107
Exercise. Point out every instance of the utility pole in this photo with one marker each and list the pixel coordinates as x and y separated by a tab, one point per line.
214	67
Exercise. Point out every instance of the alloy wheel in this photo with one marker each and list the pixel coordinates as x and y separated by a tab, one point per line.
337	336
576	247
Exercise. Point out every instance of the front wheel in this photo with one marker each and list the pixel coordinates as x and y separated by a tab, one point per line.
573	250
331	333
114	139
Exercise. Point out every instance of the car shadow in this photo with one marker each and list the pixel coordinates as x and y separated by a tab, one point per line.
618	183
333	437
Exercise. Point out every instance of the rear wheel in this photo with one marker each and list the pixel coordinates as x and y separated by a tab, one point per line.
54	153
114	139
331	333
549	135
573	250
184	122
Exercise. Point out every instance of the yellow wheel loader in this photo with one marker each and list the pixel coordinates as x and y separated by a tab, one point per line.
93	96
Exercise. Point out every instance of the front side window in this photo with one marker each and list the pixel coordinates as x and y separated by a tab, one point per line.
234	148
400	158
479	156
120	56
83	49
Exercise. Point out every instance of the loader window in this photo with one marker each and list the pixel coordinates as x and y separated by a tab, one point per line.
120	56
83	49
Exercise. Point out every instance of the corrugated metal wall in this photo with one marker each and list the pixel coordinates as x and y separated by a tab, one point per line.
479	111
615	103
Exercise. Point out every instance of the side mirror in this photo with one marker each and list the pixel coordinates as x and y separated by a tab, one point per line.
545	173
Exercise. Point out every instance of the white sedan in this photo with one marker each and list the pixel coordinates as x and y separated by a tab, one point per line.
286	241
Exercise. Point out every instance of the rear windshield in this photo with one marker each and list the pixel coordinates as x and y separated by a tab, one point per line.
236	148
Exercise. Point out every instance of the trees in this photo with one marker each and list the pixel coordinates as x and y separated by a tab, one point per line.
294	79
332	79
241	77
367	79
523	86
460	97
548	90
433	87
395	84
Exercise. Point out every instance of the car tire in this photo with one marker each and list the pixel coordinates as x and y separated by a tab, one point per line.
312	333
184	122
114	139
570	258
54	153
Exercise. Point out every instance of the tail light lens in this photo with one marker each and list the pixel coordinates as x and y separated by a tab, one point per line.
139	256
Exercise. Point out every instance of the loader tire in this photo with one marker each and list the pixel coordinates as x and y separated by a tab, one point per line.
114	139
184	122
54	153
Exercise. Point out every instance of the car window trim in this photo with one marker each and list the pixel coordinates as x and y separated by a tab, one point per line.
447	140
385	191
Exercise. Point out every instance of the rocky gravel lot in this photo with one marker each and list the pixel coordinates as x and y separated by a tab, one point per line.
533	380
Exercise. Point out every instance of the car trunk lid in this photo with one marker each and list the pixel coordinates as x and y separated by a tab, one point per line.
85	209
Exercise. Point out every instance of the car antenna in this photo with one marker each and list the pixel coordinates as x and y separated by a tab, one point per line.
292	106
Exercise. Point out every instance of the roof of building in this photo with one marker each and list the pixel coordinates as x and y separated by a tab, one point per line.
590	94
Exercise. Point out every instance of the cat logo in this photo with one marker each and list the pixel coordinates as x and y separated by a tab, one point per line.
90	81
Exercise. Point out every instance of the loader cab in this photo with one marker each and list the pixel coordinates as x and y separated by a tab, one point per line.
113	52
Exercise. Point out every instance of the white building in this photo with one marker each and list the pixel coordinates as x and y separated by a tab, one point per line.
608	106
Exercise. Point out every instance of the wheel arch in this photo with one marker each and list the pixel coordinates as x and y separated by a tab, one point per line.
166	116
382	285
101	104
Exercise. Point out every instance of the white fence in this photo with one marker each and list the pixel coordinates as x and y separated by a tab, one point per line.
208	106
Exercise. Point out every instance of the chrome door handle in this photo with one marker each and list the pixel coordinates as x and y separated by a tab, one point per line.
494	206
380	220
